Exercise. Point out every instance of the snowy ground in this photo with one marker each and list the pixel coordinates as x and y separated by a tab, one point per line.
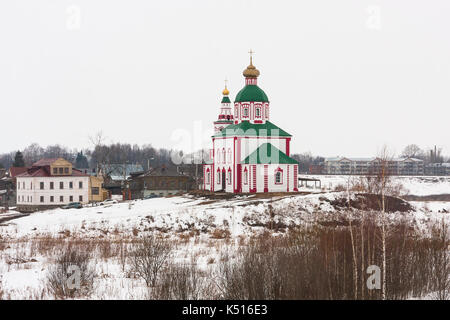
418	186
24	264
241	216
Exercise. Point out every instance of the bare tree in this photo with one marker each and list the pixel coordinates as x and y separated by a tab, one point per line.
384	179
149	257
412	151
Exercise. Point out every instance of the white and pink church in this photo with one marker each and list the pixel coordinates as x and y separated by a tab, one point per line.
249	153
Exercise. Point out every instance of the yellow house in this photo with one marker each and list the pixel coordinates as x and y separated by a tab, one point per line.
96	191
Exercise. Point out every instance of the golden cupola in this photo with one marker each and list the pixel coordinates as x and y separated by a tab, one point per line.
251	71
225	91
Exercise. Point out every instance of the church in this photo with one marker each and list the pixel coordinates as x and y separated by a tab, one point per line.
249	153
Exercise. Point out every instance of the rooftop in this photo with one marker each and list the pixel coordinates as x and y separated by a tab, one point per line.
247	129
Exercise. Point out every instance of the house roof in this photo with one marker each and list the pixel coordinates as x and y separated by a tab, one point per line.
15	171
44	162
120	171
267	153
45	172
162	172
247	129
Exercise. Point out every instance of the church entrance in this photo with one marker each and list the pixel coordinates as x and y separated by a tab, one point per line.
223	179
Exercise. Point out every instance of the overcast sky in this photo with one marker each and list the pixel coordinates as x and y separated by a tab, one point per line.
343	77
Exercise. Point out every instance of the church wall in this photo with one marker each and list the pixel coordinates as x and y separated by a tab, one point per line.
252	143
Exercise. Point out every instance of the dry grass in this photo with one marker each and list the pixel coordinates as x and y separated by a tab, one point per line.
220	234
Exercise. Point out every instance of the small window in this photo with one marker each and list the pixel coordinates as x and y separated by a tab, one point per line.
245	176
71	198
66	170
52	185
70	185
229	177
42	198
55	170
258	112
95	190
61	170
208	177
80	198
51	198
245	112
61	185
41	185
218	176
278	176
80	184
61	198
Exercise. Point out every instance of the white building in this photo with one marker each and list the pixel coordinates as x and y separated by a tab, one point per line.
51	183
357	166
250	153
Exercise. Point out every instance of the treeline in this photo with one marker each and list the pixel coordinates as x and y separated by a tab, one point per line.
305	160
89	158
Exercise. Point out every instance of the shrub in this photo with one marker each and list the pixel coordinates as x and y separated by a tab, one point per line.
149	257
71	276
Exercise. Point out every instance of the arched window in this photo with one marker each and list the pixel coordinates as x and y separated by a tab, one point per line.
229	155
245	112
229	176
279	176
218	155
245	176
258	112
218	176
208	176
224	155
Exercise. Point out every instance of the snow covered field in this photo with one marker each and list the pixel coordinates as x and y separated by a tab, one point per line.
418	186
202	230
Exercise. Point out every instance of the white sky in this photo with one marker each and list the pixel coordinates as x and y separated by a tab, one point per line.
340	80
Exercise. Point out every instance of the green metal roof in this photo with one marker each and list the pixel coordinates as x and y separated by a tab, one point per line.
226	100
247	129
251	93
268	154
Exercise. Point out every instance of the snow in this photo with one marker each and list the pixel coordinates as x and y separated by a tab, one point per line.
414	185
23	271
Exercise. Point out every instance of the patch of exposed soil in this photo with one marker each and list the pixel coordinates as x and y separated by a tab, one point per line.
366	201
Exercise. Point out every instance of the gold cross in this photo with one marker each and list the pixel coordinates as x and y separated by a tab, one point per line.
251	55
226	81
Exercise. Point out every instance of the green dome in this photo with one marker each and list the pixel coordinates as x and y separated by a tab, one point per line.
251	93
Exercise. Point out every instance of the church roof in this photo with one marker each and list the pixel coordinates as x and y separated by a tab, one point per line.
247	129
251	92
267	153
225	99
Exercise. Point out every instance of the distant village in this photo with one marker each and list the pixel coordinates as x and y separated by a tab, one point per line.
59	177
